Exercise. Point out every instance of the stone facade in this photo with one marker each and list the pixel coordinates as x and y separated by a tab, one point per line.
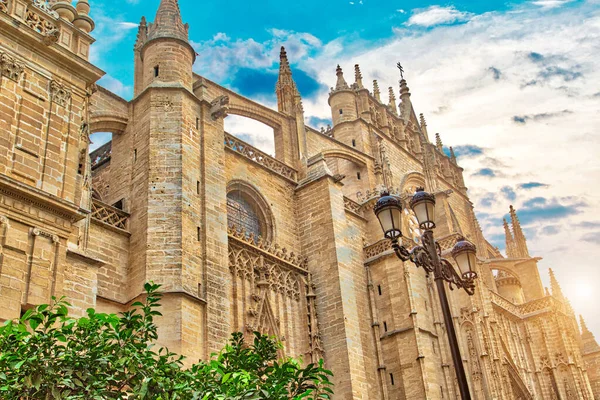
244	241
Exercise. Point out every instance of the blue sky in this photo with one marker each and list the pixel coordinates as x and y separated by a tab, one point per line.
514	87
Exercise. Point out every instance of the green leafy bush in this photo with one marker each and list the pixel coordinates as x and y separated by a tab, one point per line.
49	355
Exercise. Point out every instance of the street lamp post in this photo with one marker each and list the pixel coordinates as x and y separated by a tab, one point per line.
428	256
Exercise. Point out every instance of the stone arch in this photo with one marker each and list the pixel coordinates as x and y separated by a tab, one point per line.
252	194
108	122
412	179
108	112
346	155
251	112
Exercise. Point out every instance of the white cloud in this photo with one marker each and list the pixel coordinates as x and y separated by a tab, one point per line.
109	32
436	15
471	80
221	55
116	86
550	3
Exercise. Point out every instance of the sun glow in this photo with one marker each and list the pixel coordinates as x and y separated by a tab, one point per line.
584	290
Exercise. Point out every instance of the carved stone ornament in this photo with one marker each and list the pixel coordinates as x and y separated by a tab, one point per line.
4	6
219	107
10	67
43	26
59	93
44	6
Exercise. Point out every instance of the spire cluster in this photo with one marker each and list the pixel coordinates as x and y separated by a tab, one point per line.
516	244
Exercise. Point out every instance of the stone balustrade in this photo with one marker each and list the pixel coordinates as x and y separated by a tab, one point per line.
352	206
252	153
109	215
547	303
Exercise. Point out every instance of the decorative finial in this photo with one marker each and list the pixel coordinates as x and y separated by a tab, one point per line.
392	101
401	70
452	155
438	142
341	82
358	76
376	92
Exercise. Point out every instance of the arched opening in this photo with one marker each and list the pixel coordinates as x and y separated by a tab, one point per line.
253	132
248	211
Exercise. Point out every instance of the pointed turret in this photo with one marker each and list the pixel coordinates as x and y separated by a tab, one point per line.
423	124
510	241
406	105
520	242
358	77
376	92
342	100
452	155
285	88
341	82
142	37
588	341
438	143
555	286
166	54
392	101
168	23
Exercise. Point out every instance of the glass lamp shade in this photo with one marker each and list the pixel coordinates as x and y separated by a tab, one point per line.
423	205
464	255
389	213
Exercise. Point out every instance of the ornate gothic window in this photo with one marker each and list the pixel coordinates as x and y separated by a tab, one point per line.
241	213
248	211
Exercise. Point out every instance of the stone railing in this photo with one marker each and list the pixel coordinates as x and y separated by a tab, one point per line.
376	193
505	304
448	242
531	307
377	248
352	206
267	248
109	215
39	21
263	159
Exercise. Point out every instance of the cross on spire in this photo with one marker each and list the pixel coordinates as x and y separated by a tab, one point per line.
401	70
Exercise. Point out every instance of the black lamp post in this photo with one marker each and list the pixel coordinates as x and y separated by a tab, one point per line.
428	256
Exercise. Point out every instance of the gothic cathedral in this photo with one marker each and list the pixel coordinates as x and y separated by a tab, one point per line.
240	240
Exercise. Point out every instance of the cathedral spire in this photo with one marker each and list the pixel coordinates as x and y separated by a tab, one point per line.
358	77
438	142
406	105
287	92
423	124
510	241
452	155
168	23
376	92
588	341
341	82
584	328
520	242
555	286
142	34
392	102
